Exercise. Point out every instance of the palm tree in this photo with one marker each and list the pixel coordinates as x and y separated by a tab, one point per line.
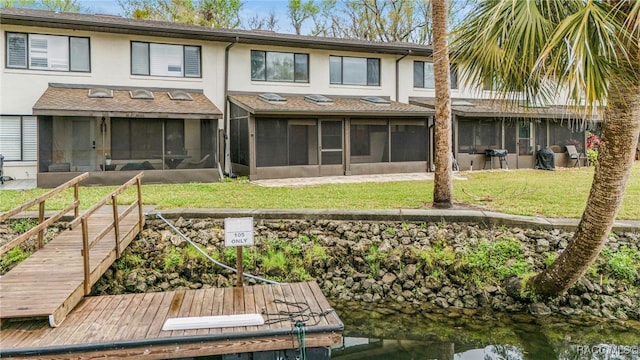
442	184
588	50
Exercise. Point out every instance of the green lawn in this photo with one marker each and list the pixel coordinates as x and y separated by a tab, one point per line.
560	193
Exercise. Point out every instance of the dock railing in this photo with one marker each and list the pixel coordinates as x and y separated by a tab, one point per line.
42	223
114	225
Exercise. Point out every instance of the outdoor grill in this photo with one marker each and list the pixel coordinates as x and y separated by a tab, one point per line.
501	154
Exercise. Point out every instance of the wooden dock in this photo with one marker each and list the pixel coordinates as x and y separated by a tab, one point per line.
130	325
55	278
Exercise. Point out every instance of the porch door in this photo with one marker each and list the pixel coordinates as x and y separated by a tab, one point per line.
331	147
83	145
525	144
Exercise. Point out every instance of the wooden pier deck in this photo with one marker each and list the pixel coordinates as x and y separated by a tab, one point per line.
130	325
55	278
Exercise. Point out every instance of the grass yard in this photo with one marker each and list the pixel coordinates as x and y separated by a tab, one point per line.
560	193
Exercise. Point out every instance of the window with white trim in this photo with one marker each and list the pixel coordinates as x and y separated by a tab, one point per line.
423	75
279	66
47	52
354	71
18	138
155	59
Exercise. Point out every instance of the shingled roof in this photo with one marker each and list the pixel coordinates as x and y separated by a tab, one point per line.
340	106
74	100
501	108
117	24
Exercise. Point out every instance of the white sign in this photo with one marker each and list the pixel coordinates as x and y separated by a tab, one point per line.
238	231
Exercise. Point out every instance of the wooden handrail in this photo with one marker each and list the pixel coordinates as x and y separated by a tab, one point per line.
106	199
42	223
83	220
37	229
42	198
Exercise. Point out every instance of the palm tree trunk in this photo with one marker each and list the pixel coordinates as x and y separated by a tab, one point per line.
443	183
615	159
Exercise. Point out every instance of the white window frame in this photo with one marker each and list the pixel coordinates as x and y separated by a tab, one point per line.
18	137
166	60
45	52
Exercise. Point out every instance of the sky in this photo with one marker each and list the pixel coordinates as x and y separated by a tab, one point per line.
249	8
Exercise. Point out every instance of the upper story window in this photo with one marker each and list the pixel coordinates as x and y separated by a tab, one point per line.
48	52
423	75
165	60
279	66
354	71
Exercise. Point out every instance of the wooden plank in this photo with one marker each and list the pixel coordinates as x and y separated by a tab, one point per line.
332	318
218	307
259	302
111	319
196	310
207	307
185	310
304	293
107	324
80	324
155	300
86	311
169	308
238	305
186	350
15	333
129	320
249	305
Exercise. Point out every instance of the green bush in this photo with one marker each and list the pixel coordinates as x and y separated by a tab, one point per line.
23	225
12	258
623	264
496	260
173	260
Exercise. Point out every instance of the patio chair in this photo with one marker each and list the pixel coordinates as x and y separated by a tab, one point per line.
454	163
192	164
576	156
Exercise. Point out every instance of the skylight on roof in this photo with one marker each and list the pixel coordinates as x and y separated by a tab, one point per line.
461	103
272	98
180	95
375	100
319	99
141	94
100	93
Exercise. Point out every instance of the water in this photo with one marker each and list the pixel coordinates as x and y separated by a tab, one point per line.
404	332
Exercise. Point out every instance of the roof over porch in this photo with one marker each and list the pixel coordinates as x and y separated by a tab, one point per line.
330	105
504	109
115	101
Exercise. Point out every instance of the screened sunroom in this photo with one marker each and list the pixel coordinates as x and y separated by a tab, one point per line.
168	133
482	128
273	136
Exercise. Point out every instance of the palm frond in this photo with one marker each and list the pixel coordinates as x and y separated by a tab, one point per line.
538	49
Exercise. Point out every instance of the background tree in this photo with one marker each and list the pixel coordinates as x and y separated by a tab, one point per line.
533	50
211	13
443	181
51	5
260	22
299	12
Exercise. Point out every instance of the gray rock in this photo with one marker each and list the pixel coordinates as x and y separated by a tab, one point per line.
539	309
442	302
389	278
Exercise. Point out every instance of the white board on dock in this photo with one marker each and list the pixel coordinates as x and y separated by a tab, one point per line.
207	322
